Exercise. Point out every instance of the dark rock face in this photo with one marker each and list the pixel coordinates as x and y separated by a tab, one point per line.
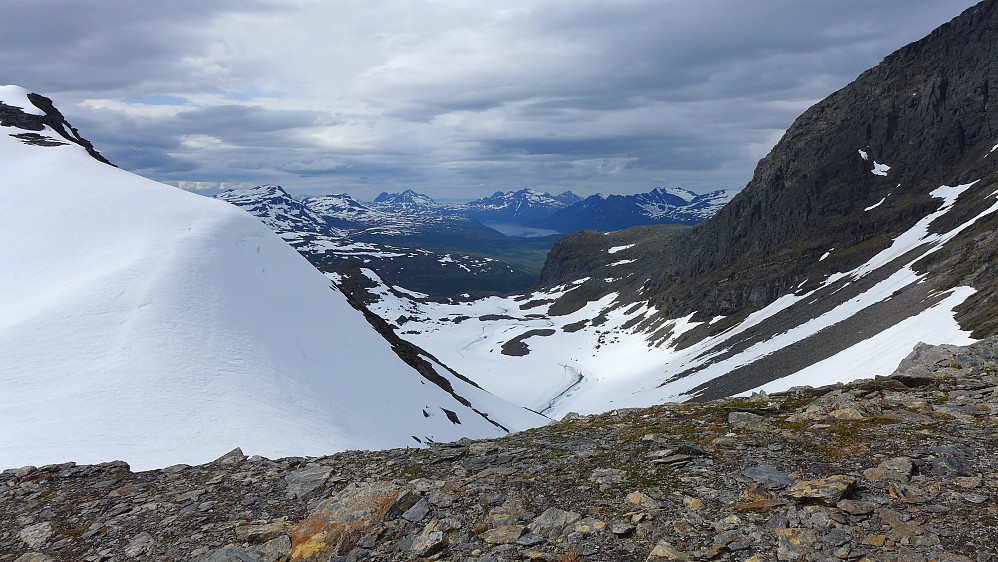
926	111
14	117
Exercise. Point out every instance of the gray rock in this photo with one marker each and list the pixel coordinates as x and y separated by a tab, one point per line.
304	481
607	476
530	539
552	522
794	543
951	466
34	557
426	544
233	456
36	535
418	511
139	544
503	534
232	554
898	469
275	549
748	420
770	477
665	550
262	532
477	464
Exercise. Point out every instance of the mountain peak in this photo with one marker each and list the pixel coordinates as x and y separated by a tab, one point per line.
408	199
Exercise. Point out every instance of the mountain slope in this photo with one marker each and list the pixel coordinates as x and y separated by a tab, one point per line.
851	182
277	209
156	326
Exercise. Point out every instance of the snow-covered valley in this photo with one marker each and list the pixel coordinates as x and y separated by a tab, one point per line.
611	354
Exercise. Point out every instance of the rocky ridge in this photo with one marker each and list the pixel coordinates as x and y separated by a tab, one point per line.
898	468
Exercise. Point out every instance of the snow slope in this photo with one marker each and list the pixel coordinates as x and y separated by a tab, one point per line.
144	323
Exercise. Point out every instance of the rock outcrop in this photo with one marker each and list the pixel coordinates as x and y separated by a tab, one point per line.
11	116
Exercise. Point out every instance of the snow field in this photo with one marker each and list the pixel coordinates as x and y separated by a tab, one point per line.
144	323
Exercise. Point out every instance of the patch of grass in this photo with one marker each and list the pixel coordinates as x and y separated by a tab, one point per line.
411	472
844	438
482	525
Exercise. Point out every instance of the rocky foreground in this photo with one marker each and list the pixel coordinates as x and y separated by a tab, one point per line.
899	468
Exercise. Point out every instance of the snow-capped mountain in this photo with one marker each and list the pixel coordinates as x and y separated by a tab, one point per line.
870	227
339	206
406	200
332	229
518	207
144	323
277	209
616	212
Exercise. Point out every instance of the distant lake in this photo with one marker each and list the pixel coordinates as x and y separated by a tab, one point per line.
510	229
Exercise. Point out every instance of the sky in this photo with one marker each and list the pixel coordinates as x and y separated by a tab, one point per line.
453	98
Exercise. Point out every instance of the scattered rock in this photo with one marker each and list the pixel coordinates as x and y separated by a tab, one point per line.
664	550
900	482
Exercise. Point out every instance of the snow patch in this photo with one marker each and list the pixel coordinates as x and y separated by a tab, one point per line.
616	249
875	205
879	169
415	294
18	97
864	155
826	254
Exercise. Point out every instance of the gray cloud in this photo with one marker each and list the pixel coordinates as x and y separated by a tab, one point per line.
456	99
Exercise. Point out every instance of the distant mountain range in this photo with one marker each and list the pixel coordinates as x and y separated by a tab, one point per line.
518	207
445	249
616	212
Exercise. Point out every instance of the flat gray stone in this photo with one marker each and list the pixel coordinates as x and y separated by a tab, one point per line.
552	522
770	477
232	554
304	481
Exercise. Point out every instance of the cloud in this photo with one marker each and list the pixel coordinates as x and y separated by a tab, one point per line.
454	98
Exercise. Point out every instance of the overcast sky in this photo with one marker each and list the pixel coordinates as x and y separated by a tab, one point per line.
455	99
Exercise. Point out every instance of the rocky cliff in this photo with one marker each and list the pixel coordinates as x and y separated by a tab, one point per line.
898	468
